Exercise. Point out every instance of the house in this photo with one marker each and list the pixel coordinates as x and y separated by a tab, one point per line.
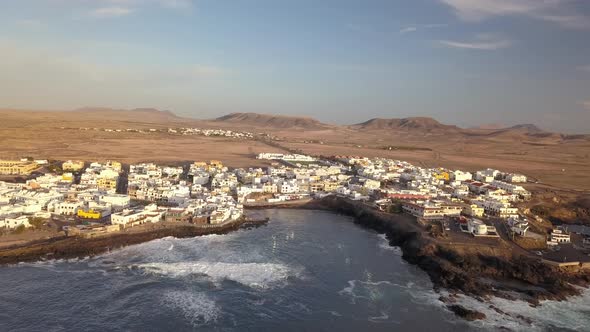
559	236
473	210
516	178
72	165
117	201
92	213
288	187
67	208
178	215
461	176
518	225
129	218
12	223
425	211
477	227
487	175
17	167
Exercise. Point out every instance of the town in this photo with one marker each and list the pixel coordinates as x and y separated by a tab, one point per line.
98	198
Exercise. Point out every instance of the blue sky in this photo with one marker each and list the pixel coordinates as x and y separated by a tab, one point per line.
463	62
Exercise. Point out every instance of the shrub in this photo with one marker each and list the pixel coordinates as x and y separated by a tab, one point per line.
20	229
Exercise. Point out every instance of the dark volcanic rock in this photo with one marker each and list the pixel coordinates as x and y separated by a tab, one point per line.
465	313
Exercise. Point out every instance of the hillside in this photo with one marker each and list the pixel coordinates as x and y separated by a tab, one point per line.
272	121
424	124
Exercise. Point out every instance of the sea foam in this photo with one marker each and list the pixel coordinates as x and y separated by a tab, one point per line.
198	308
384	244
255	275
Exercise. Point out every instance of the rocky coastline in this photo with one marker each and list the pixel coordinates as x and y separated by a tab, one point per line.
478	273
65	247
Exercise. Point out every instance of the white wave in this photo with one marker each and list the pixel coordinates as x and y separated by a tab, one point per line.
384	317
366	290
196	307
384	244
255	275
573	314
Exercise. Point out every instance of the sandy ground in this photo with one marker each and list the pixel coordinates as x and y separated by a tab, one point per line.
131	148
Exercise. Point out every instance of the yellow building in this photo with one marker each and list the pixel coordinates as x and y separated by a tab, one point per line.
68	177
216	164
14	167
443	175
108	184
114	165
89	214
331	186
200	164
72	165
315	187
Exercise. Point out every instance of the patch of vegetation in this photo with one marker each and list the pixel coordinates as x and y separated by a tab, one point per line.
541	210
37	222
19	230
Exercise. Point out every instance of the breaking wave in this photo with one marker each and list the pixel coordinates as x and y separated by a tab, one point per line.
384	244
254	275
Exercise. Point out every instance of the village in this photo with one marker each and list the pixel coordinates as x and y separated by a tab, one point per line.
91	199
193	131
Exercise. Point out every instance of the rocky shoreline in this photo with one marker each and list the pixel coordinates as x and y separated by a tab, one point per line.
479	273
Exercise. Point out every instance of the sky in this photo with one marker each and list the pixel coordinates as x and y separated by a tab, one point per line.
464	62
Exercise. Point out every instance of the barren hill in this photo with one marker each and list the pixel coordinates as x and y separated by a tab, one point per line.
518	132
272	121
413	123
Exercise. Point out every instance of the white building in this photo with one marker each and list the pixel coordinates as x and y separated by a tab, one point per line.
12	223
516	178
477	227
559	236
461	176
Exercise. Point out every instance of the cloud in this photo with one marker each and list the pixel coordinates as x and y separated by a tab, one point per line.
481	42
585	104
585	68
414	28
559	12
407	30
110	12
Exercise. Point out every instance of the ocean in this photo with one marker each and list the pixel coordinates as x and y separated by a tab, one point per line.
303	271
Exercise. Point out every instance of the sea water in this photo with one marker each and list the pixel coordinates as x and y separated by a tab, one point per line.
303	271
